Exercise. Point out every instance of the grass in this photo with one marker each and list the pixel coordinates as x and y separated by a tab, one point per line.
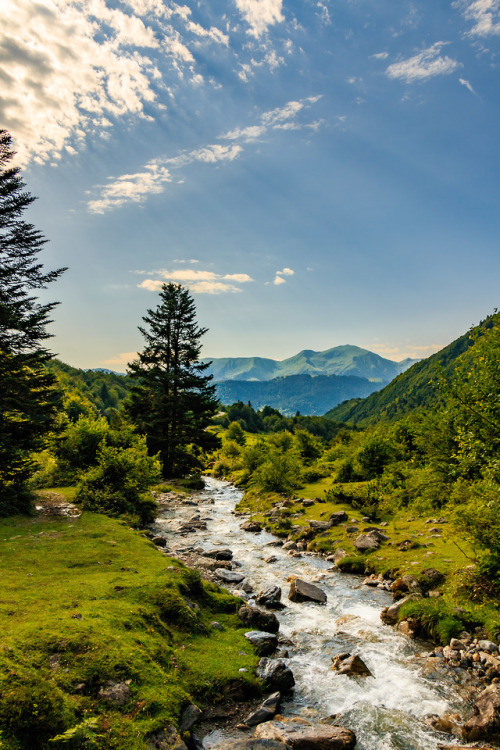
89	600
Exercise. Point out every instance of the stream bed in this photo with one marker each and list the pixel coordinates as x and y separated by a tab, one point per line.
386	711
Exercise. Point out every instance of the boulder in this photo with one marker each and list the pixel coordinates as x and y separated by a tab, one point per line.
166	739
270	598
257	618
307	503
351	665
265	712
338	517
229	576
253	743
389	615
290	545
300	734
116	692
407	584
275	675
338	555
430	578
218	554
366	543
189	717
252	526
264	643
301	591
485	724
160	541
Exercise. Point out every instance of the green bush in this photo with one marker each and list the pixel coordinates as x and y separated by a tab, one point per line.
117	486
437	619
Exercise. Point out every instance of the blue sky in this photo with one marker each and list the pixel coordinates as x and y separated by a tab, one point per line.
317	173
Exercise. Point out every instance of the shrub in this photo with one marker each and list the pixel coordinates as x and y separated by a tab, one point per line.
117	486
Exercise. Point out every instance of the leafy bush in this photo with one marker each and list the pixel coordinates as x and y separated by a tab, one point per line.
117	485
437	619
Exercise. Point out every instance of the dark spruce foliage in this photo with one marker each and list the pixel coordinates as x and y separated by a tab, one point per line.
27	400
173	400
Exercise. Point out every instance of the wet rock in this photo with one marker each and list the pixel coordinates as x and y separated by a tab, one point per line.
247	587
116	692
373	580
263	642
290	545
208	563
160	541
300	734
351	665
271	559
485	724
301	591
253	743
338	555
444	724
265	712
339	516
229	576
251	526
408	627
258	619
389	615
270	598
189	717
275	675
218	554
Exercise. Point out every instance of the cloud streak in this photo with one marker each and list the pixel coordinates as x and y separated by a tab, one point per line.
199	282
425	65
484	14
156	174
260	14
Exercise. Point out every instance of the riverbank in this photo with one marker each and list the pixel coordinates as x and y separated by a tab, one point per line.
106	641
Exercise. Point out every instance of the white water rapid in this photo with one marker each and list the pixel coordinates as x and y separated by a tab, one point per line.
385	711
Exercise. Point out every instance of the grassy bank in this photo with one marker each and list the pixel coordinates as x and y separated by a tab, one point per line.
87	601
416	543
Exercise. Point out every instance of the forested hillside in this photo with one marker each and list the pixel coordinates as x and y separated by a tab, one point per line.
85	390
414	389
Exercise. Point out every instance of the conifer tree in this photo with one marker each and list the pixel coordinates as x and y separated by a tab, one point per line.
172	400
27	399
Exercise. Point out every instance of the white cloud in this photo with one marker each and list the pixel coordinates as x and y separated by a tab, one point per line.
199	282
213	33
131	188
380	56
260	14
286	272
484	14
425	65
155	175
467	85
279	280
158	172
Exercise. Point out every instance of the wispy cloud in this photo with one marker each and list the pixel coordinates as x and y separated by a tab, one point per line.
467	85
380	56
199	282
260	14
135	188
120	359
425	65
398	351
484	14
157	173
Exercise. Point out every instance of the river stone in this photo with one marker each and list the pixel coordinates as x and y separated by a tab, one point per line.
229	576
252	526
275	675
339	555
389	615
256	618
265	712
301	591
301	734
264	643
366	543
189	717
218	554
270	598
254	743
351	665
160	541
290	545
485	724
339	517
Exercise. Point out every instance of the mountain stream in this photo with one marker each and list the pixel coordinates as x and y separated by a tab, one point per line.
385	711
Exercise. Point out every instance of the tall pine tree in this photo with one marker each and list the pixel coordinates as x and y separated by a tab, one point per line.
172	400
27	399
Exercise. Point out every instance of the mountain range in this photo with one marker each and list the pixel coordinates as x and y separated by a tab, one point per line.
340	360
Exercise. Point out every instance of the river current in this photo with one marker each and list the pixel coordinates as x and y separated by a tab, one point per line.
386	711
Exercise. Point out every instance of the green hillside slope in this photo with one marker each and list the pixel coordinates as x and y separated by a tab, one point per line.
416	388
304	393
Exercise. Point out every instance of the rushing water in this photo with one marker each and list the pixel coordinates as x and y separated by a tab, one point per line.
385	711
